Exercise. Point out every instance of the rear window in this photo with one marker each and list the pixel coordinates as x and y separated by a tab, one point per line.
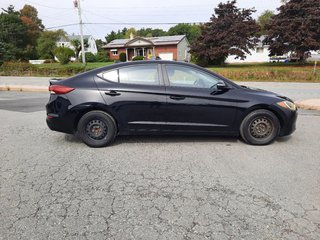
140	74
109	75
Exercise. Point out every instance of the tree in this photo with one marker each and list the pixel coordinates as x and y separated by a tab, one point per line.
32	13
100	44
29	16
230	31
157	32
192	31
295	29
132	32
13	35
77	45
149	32
116	35
263	20
47	43
111	36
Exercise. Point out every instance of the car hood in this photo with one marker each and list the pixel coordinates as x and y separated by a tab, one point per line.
262	92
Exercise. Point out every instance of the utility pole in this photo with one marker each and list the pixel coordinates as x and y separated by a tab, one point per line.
77	5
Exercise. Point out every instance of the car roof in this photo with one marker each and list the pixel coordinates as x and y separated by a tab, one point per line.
134	63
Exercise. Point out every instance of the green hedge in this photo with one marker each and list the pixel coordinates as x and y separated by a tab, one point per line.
64	54
102	57
123	57
138	58
90	57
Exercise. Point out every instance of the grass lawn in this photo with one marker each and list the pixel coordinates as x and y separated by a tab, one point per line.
47	69
276	72
89	66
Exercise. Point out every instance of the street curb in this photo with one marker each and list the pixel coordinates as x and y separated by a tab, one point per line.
23	88
309	104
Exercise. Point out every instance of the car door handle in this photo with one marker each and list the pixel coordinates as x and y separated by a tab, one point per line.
112	93
175	97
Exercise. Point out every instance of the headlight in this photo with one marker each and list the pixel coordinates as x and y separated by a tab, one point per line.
288	105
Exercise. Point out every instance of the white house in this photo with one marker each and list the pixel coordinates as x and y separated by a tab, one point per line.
261	53
66	42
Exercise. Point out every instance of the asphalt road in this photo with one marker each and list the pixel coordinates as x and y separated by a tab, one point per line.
55	187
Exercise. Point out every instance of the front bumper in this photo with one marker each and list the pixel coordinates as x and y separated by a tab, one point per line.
289	125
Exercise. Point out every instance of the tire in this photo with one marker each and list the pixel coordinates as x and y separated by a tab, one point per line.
97	129
260	127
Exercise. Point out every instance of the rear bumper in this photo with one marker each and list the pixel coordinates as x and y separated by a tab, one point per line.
59	117
58	124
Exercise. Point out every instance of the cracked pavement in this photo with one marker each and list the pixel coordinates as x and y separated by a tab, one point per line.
55	187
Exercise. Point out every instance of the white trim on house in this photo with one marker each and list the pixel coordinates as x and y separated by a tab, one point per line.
66	42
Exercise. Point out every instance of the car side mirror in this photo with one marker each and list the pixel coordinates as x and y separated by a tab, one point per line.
222	86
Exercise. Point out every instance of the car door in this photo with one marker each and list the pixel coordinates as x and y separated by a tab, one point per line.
195	104
136	96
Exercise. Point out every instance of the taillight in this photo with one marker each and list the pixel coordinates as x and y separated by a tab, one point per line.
60	89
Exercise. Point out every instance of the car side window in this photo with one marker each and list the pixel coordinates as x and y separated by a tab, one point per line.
140	74
180	76
109	75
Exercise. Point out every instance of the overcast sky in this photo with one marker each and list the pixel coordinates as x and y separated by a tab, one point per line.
118	13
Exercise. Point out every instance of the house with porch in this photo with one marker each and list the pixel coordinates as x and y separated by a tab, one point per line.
167	48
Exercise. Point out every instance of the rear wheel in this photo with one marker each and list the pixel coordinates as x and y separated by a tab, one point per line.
97	129
260	127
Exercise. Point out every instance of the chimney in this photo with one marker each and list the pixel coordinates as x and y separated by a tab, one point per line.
131	36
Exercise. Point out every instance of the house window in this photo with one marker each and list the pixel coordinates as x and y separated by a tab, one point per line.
114	52
259	50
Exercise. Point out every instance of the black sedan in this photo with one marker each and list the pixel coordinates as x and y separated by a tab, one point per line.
164	97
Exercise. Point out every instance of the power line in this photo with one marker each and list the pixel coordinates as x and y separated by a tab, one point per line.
154	7
132	23
88	28
42	5
66	25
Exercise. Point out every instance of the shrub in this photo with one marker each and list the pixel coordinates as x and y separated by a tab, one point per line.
49	61
90	57
123	57
64	54
102	57
138	58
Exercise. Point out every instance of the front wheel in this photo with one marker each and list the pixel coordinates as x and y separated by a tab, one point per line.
260	127
97	129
